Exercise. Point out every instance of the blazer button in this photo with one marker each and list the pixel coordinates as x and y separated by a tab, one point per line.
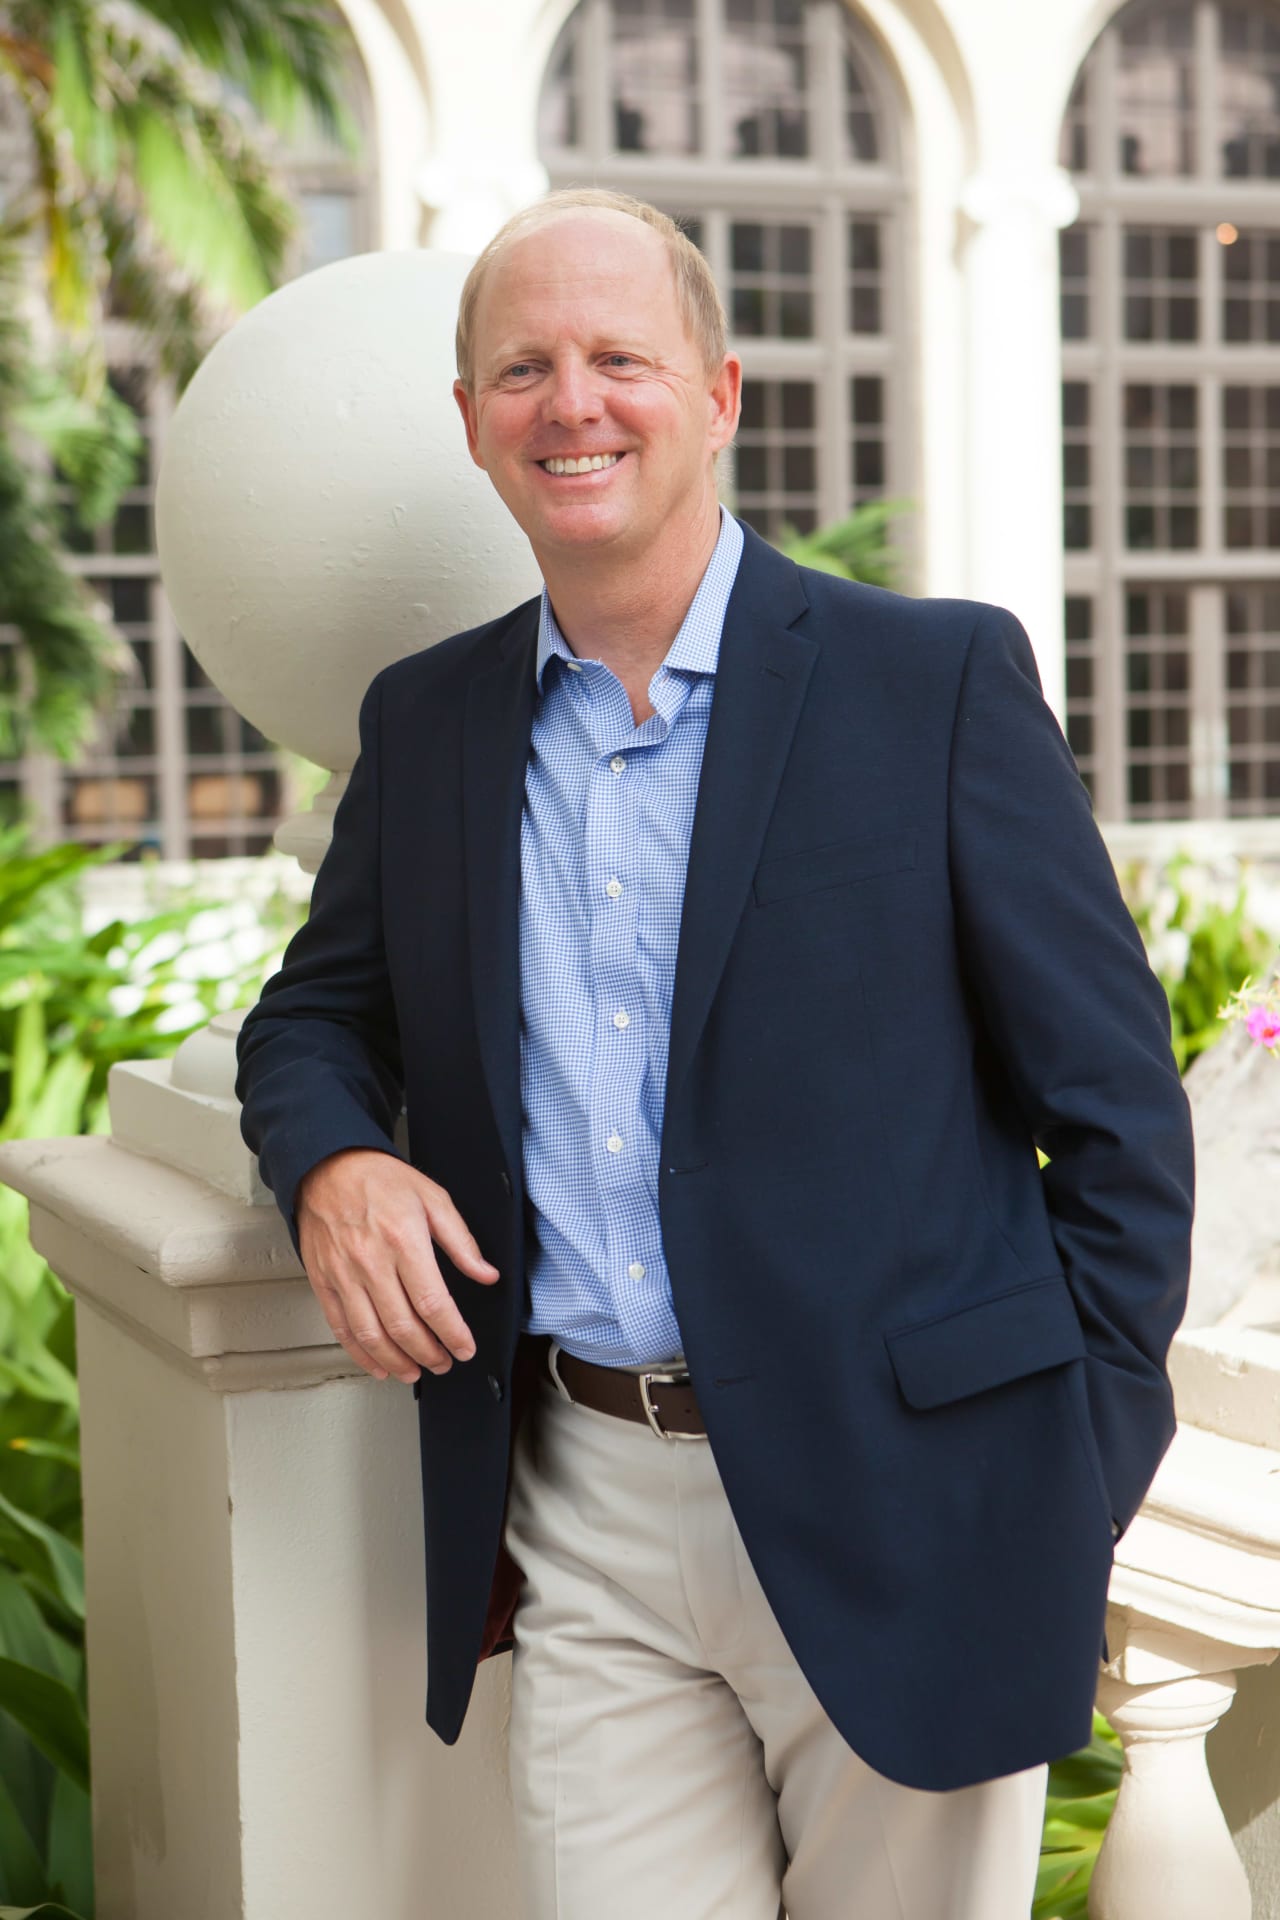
495	1386
505	1178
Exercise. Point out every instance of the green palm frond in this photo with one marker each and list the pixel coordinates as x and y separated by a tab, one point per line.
284	54
156	294
69	657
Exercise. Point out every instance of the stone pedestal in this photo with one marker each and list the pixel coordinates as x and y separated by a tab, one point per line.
253	1543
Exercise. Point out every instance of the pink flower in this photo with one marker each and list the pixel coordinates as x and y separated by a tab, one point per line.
1263	1026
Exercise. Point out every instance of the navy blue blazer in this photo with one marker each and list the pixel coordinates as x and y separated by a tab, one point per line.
933	1375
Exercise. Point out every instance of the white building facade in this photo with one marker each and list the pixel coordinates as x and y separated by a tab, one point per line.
1018	267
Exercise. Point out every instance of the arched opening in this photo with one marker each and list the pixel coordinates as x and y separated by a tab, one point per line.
771	129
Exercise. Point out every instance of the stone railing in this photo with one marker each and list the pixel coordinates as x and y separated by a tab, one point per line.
254	1567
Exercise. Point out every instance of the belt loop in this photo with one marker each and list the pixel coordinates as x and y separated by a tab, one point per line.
553	1354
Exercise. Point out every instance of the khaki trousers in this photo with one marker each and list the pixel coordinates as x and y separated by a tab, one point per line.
669	1761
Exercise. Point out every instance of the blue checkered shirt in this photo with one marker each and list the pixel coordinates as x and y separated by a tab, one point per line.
604	842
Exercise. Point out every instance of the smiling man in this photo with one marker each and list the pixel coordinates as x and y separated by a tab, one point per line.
733	936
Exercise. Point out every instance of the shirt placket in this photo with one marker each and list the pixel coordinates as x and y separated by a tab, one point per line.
621	1144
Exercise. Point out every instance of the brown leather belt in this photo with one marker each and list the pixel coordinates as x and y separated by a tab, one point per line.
661	1397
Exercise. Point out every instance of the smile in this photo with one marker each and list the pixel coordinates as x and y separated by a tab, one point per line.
589	463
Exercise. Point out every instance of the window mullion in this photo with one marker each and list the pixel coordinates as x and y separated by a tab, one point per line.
1108	449
170	715
827	51
1206	82
1208	706
711	78
836	445
597	82
1105	118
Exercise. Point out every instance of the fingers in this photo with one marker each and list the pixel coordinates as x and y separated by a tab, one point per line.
450	1231
366	1233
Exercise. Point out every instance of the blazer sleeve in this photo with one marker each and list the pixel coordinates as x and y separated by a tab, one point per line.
1061	979
319	1055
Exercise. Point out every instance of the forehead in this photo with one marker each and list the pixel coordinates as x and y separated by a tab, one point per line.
584	260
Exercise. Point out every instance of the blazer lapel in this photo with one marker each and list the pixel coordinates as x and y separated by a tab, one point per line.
496	727
761	677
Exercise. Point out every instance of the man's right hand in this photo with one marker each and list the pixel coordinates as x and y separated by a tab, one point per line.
366	1224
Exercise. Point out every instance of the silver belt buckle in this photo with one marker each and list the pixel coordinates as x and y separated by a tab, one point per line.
657	1377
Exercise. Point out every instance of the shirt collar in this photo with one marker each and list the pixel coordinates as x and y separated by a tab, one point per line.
696	647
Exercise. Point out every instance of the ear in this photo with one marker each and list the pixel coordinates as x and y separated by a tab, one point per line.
724	401
467	408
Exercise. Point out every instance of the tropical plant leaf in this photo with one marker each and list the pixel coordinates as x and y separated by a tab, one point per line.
47	1910
22	1870
58	1561
51	1714
70	1850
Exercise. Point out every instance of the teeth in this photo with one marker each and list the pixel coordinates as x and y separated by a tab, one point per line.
589	463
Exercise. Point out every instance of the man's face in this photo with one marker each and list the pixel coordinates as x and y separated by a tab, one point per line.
580	353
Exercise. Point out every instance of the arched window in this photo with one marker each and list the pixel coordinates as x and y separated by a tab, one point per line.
770	130
1171	411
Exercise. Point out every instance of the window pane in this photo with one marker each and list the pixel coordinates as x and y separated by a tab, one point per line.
1250	466
1075	248
560	106
1081	680
777	457
1156	92
1249	94
1158	263
771	278
654	76
867	429
766	72
1251	677
1077	467
1157	702
862	141
1162	467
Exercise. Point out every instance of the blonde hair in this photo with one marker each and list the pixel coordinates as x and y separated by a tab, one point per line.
696	292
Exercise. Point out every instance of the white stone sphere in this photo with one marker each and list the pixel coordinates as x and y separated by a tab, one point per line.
317	512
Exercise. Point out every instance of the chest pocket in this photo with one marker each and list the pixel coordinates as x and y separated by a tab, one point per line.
833	866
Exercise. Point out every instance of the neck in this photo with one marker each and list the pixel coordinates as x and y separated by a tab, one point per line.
626	610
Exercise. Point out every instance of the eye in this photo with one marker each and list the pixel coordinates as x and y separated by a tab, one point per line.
518	371
619	360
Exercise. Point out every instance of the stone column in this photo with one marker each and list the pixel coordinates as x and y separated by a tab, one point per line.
1013	501
253	1545
1167	1848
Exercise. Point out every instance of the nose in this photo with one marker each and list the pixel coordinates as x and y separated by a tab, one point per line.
573	394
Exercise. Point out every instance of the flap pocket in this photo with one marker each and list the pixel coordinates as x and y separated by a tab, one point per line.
833	866
986	1345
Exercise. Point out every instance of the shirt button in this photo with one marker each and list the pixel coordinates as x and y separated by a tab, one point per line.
613	888
617	764
574	666
614	1143
636	1270
621	1020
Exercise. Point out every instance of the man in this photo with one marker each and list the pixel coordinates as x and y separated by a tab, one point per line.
734	936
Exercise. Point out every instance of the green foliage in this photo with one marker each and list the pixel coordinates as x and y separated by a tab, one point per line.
1081	1796
72	1004
856	548
1201	943
148	194
73	657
